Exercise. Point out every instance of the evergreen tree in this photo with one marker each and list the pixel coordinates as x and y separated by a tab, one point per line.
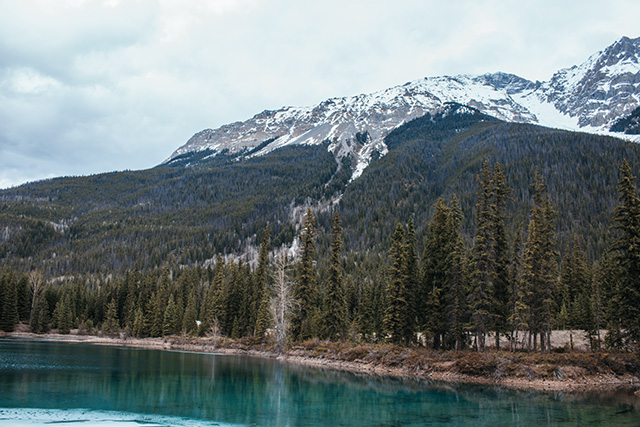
306	292
396	321
235	296
215	301
481	298
189	324
411	278
24	298
436	269
40	315
456	310
610	273
443	276
147	302
540	269
500	253
8	301
111	325
334	319
263	316
159	306
171	319
247	322
130	290
138	328
367	313
519	309
573	298
63	316
627	257
597	305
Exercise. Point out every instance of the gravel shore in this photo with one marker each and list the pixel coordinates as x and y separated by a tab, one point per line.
573	372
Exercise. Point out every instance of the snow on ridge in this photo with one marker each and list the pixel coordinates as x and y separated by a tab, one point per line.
572	99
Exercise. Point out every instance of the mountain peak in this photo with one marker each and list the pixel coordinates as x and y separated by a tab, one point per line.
624	51
509	82
591	96
602	89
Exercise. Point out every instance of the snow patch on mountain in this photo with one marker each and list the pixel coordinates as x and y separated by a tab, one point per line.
588	97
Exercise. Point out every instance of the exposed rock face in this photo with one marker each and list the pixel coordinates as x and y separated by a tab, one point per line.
602	89
591	97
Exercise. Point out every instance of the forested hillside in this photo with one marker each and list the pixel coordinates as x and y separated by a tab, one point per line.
113	222
203	206
437	156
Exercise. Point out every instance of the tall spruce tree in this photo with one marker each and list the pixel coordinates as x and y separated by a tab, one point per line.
456	310
159	306
62	315
24	298
627	257
334	318
236	295
519	311
482	295
263	316
111	325
436	269
8	301
172	321
573	299
396	320
40	318
411	278
215	300
597	305
137	328
500	254
443	276
306	290
189	325
540	269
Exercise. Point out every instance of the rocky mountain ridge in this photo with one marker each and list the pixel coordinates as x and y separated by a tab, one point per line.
588	97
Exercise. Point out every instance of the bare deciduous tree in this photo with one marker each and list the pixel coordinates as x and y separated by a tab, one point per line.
36	282
282	301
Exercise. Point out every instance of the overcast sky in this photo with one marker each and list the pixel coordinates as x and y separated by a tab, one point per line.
96	86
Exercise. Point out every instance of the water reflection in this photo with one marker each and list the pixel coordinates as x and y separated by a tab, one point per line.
254	391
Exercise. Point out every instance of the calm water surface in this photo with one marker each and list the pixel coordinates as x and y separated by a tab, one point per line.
47	383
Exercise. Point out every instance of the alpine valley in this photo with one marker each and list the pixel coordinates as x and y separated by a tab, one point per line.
378	159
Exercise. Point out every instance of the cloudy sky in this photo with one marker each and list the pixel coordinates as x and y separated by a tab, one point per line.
95	86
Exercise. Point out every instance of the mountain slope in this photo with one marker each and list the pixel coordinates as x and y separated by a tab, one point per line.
355	125
437	156
186	215
589	97
112	222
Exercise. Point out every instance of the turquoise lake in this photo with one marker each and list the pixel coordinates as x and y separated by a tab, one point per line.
48	383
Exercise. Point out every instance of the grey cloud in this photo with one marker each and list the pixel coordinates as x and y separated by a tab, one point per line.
92	86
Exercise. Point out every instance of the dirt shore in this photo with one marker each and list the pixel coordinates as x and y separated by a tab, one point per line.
564	372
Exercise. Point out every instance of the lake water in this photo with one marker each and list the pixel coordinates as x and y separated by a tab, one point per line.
66	384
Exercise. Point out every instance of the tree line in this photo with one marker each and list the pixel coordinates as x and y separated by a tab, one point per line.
460	291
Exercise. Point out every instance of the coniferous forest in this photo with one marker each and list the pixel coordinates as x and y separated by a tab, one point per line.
468	230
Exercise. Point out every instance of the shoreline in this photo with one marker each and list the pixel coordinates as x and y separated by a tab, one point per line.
379	360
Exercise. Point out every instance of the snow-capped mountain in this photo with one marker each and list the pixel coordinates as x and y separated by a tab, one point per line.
589	97
603	89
